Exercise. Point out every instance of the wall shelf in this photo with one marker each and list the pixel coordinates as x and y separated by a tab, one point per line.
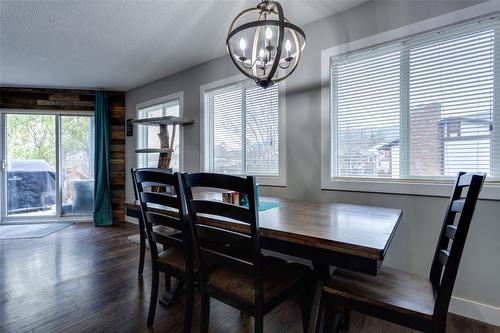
167	120
153	150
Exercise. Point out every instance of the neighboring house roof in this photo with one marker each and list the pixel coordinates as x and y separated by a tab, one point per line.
388	145
476	119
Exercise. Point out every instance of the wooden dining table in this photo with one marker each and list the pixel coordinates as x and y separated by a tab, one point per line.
329	235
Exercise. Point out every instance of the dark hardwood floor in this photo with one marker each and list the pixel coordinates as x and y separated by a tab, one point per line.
84	279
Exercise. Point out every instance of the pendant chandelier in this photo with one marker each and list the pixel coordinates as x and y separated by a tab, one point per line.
274	44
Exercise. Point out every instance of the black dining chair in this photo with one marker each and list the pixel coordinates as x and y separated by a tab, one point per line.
143	236
160	208
403	298
243	277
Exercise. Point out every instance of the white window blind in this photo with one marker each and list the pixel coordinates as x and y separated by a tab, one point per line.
148	135
419	108
243	129
366	99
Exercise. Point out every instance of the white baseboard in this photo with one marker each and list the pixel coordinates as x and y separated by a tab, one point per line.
478	311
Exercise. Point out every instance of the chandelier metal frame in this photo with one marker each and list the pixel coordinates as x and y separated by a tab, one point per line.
265	8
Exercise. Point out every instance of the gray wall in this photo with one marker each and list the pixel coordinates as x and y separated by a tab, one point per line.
414	243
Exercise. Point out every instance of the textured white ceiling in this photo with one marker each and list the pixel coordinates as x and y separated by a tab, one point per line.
122	44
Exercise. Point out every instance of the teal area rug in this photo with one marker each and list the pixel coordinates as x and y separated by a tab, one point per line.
265	205
24	231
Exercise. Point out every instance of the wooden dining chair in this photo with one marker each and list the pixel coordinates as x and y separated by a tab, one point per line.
403	298
143	236
244	278
159	209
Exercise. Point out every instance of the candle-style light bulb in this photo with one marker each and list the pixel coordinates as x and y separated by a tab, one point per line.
288	47
243	44
263	60
269	33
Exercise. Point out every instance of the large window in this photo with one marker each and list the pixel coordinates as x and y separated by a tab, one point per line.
243	130
148	135
422	108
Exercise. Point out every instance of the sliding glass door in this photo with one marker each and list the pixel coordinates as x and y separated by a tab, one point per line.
77	165
30	164
47	166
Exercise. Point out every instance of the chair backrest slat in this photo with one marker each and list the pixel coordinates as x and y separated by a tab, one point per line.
221	243
155	177
215	208
162	199
166	220
160	208
151	184
219	181
452	238
224	259
443	256
450	231
465	179
235	239
457	206
172	241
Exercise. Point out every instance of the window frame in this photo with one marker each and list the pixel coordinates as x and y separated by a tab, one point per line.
280	179
423	187
161	100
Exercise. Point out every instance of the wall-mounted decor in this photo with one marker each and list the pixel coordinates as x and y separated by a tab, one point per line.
274	44
130	127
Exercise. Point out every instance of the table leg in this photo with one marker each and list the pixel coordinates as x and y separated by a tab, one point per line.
175	293
334	319
316	307
322	273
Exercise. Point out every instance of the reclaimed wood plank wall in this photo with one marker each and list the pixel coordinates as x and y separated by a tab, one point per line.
117	152
80	100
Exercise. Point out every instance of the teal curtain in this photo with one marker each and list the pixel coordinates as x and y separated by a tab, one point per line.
103	214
